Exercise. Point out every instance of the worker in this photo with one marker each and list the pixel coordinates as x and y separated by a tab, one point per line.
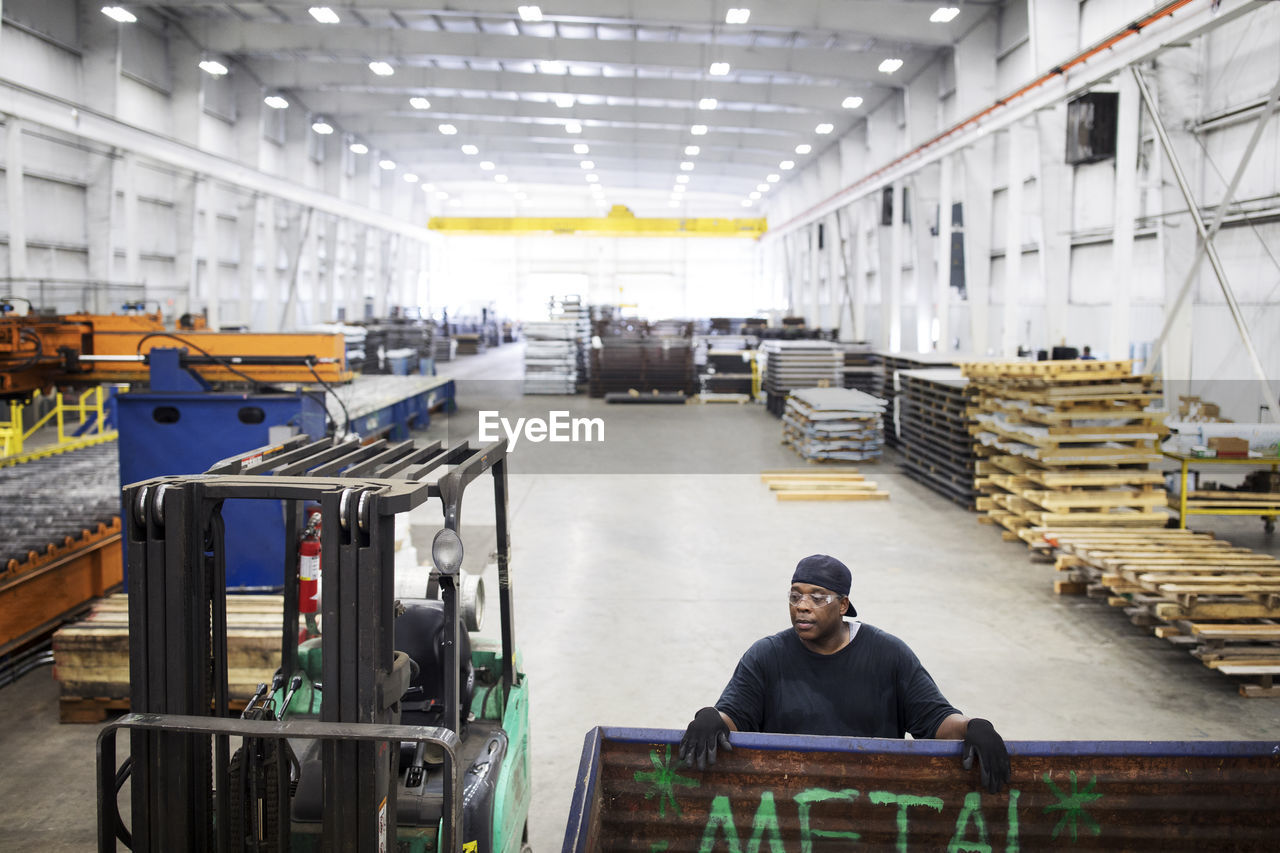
1087	355
826	676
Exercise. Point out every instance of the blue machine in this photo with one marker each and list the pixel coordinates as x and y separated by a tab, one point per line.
179	426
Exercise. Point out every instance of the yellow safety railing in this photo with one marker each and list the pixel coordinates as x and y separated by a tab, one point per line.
89	406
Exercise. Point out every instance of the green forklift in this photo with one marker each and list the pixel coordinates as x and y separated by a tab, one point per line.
387	725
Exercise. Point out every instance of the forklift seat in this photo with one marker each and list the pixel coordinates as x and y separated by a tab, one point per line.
420	633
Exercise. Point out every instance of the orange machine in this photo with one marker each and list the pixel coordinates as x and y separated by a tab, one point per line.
40	351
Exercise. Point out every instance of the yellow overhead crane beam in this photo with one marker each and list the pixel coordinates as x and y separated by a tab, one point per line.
620	222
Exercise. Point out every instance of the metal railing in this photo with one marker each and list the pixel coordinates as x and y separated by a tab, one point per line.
88	409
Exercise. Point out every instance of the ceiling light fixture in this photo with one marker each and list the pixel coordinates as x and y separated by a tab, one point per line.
573	127
470	150
322	127
448	129
708	104
587	164
382	69
698	130
944	15
324	15
553	66
692	151
487	165
276	102
851	103
787	164
890	65
686	166
754	195
530	14
564	101
592	177
679	188
502	179
804	148
420	103
119	14
737	16
581	148
718	69
762	188
386	165
824	128
410	178
773	179
213	67
358	148
682	179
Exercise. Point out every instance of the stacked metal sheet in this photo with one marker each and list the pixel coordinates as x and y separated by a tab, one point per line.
892	363
647	365
825	424
724	364
862	368
933	430
444	348
573	309
550	357
469	343
799	364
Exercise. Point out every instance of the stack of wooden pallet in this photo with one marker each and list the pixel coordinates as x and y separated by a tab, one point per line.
91	657
826	424
933	427
1221	602
833	484
1066	443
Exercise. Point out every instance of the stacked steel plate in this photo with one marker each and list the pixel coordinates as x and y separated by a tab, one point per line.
828	424
799	364
550	357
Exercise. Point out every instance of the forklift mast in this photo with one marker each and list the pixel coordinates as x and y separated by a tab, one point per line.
179	731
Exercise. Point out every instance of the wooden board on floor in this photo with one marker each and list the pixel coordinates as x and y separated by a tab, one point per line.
832	495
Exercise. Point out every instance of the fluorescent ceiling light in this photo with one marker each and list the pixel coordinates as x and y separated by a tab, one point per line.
686	166
470	150
426	188
553	66
944	15
698	130
851	103
762	188
420	103
737	16
719	69
382	69
487	165
581	148
707	104
890	65
448	129
502	179
214	67
387	165
679	188
682	179
276	102
410	178
358	148
564	101
804	148
324	15
824	128
754	195
592	177
692	151
532	14
573	127
587	164
119	14
773	179
322	127
787	164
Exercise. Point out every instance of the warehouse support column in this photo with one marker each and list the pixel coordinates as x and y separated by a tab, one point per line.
354	297
270	313
100	79
248	220
185	217
978	167
942	269
1013	217
892	282
922	272
813	288
129	190
1055	185
16	196
835	278
328	283
212	289
1126	205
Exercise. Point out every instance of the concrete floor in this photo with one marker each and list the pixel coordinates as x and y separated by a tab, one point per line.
644	572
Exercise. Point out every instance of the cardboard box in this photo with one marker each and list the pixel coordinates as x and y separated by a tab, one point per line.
1227	446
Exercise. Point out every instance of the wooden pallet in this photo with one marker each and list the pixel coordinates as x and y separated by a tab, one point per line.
835	485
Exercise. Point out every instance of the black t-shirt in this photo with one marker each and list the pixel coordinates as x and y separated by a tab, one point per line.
874	687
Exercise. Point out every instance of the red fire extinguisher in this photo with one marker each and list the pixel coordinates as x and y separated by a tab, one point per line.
309	567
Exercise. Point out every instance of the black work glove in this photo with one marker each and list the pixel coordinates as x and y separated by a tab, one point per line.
705	734
981	739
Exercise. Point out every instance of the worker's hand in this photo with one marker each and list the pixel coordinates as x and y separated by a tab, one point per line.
981	739
705	734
